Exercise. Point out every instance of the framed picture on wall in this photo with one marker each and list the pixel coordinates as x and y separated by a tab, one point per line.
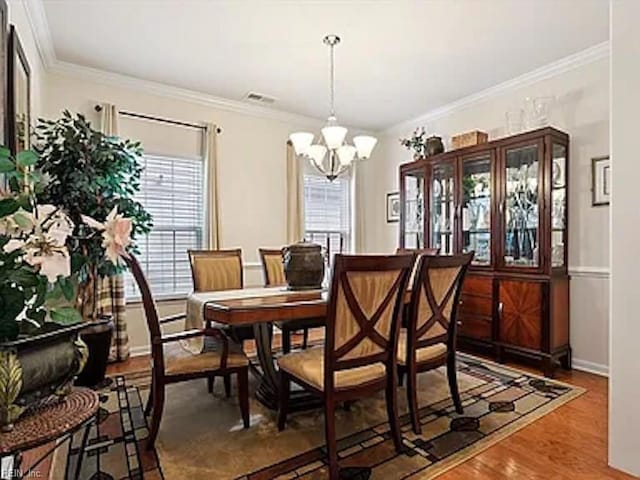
18	96
393	207
600	181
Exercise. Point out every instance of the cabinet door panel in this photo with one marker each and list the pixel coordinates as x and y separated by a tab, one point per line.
412	209
474	327
521	205
476	222
520	313
475	305
442	207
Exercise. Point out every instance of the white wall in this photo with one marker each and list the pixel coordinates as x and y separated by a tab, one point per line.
582	110
251	168
624	381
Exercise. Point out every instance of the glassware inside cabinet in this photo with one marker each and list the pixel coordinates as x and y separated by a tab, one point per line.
521	215
442	208
414	210
476	208
558	205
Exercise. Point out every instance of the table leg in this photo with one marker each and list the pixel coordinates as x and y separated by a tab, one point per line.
267	392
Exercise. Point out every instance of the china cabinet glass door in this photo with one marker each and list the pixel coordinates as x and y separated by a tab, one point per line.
413	209
558	205
476	208
520	206
442	211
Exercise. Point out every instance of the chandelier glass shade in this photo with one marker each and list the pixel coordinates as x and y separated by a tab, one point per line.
333	156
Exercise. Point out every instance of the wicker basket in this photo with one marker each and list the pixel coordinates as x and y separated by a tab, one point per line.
469	139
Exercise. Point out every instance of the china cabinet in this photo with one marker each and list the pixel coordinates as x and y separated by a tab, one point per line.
507	201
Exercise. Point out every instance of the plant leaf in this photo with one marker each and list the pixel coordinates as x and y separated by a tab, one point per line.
8	206
6	165
65	316
4	152
26	158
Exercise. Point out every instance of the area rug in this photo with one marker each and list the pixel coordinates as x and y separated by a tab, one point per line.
116	444
201	435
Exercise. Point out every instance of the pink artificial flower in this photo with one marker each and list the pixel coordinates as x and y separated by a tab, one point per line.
116	234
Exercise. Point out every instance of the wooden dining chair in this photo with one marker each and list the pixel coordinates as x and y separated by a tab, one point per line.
429	341
273	271
172	364
405	311
359	354
215	270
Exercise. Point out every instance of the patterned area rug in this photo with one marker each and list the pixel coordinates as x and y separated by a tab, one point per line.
116	445
201	435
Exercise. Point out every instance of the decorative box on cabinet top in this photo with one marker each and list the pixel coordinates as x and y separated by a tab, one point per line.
469	139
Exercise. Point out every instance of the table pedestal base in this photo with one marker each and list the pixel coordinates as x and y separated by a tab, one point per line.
269	388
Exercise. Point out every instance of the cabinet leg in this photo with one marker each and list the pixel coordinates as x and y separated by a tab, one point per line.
548	367
500	354
567	360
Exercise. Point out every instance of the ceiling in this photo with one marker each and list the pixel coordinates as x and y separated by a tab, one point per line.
397	60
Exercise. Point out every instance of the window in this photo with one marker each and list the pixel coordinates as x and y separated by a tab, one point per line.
171	189
328	212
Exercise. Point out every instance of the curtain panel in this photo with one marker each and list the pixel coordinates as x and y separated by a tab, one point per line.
210	154
111	299
295	197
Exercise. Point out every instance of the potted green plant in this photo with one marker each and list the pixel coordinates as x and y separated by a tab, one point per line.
92	175
40	352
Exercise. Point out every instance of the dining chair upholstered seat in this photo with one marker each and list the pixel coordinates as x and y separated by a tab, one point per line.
177	360
424	354
273	271
359	354
308	366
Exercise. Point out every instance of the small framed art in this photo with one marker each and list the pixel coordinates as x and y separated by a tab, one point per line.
393	207
600	181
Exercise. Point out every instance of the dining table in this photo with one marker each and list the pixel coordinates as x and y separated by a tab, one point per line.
260	307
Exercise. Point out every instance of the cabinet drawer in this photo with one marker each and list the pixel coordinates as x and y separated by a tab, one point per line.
481	286
474	327
475	305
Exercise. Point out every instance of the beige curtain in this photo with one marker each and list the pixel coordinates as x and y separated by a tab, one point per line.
357	197
111	299
210	152
295	197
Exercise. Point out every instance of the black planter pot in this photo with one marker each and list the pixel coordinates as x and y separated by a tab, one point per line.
98	341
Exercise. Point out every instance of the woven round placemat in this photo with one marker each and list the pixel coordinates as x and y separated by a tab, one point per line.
49	422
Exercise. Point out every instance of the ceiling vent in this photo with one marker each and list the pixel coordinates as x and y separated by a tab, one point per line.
259	98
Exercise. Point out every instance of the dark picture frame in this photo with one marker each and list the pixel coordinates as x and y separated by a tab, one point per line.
393	207
600	181
18	96
4	22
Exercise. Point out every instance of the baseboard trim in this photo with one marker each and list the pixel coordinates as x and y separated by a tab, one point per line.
590	367
140	351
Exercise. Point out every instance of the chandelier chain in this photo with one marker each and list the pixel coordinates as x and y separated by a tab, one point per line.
332	79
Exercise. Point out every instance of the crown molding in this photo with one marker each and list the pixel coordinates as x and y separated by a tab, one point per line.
39	25
177	93
576	60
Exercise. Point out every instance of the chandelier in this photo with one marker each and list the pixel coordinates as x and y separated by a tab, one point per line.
335	156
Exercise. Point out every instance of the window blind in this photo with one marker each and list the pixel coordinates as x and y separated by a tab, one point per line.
171	189
328	212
